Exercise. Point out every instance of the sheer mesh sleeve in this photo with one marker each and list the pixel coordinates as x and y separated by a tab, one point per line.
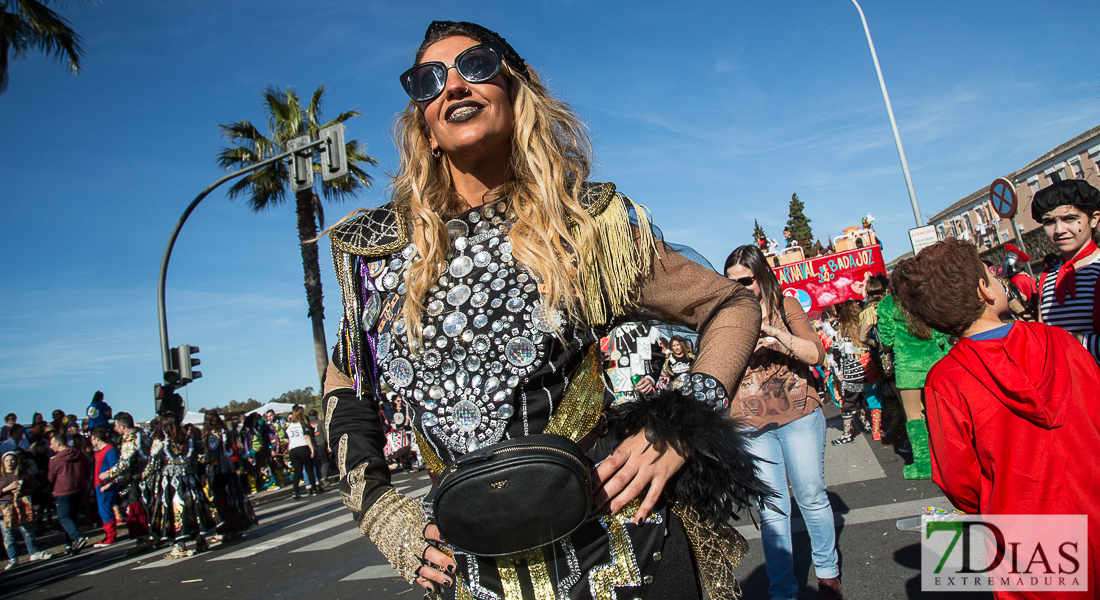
725	314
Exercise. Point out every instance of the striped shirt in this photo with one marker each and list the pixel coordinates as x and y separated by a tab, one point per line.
1075	316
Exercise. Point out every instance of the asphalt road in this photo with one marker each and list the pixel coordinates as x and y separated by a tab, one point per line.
311	549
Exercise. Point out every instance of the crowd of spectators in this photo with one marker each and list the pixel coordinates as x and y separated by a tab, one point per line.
71	477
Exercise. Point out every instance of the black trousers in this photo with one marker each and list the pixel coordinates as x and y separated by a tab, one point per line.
299	457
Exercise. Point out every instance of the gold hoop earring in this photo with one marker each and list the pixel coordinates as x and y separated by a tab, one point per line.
437	153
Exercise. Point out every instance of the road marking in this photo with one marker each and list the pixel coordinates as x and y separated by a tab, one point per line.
279	524
331	542
854	516
279	541
373	572
318	504
418	492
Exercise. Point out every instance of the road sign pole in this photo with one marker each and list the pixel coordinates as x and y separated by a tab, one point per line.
1020	244
1002	196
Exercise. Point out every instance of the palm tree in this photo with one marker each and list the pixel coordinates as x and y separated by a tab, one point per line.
27	25
267	187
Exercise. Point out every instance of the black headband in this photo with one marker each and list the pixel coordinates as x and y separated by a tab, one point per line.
437	30
1075	192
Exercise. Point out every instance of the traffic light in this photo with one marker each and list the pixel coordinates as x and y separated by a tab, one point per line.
185	363
301	165
167	400
334	160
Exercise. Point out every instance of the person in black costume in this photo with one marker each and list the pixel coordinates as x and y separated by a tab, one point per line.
480	294
222	483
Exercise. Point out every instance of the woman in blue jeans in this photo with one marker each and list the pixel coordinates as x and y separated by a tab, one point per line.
778	400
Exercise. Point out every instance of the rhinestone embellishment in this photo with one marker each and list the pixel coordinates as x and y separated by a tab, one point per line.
458	295
454	324
461	266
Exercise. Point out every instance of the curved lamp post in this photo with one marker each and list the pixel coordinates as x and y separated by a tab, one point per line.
893	124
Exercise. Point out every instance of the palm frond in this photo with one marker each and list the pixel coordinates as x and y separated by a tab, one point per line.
313	113
344	116
29	25
286	118
283	113
50	35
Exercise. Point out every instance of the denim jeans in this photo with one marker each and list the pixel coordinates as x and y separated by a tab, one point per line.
795	451
66	513
9	539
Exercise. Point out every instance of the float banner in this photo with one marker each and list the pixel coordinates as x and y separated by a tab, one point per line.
831	279
1005	553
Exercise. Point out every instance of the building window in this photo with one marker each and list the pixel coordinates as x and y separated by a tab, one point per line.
1033	183
1076	170
1004	236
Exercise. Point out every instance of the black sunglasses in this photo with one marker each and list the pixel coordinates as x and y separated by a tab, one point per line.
477	64
745	281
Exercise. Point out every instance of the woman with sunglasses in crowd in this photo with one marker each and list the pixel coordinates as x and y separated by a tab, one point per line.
480	294
778	402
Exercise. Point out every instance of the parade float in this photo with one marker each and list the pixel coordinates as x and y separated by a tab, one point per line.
820	282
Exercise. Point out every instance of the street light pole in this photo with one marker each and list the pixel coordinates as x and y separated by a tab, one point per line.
162	313
893	124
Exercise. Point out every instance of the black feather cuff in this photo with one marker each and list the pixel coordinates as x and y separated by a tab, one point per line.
720	477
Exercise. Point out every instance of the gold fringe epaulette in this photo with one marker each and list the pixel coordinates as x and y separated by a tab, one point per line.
610	276
376	232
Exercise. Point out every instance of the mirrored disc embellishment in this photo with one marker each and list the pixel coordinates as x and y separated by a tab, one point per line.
400	373
467	416
371	310
520	351
545	319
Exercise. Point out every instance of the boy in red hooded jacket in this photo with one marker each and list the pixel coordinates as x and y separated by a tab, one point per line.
1013	409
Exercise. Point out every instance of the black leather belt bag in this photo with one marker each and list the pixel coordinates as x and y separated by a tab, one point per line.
513	496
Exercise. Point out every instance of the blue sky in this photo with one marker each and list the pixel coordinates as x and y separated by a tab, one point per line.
710	113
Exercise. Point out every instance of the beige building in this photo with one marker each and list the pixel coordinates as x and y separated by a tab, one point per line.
973	219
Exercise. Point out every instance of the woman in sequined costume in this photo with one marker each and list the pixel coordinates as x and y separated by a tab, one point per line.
480	293
229	498
179	509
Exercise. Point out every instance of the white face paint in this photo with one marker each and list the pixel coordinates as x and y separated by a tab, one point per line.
1069	229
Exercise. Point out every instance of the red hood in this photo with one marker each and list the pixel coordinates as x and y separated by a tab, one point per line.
1025	370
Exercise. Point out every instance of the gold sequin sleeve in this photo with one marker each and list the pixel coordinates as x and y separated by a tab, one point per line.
725	314
395	524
